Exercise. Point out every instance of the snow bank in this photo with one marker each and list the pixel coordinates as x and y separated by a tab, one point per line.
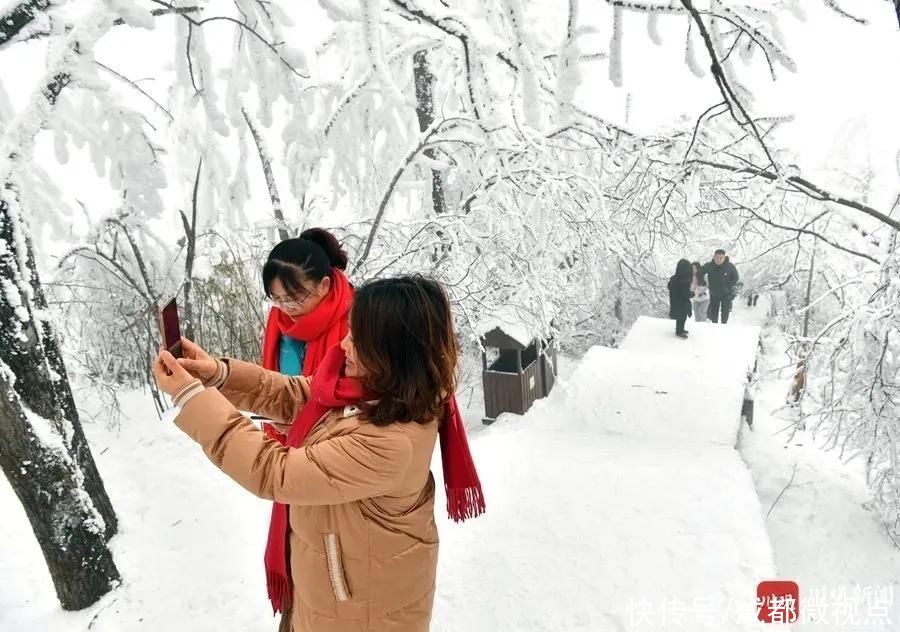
824	533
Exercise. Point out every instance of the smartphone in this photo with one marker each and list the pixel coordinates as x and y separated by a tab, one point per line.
170	329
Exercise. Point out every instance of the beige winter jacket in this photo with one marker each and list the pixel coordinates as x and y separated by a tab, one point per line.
363	540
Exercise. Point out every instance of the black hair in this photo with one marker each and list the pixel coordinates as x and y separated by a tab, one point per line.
303	260
684	271
720	251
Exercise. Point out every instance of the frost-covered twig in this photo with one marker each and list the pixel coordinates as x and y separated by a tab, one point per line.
159	105
121	21
834	6
793	474
728	92
424	141
687	152
269	174
645	7
400	53
246	27
800	230
802	185
190	235
138	258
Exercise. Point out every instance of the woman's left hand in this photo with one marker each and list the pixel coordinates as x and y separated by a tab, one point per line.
170	375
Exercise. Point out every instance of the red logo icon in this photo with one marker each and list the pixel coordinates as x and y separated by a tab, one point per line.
777	601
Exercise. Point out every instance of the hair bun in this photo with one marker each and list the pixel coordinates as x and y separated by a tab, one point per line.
329	243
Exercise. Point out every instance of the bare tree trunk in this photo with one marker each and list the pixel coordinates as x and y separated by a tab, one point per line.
798	385
266	161
32	353
190	235
51	487
424	83
809	286
43	450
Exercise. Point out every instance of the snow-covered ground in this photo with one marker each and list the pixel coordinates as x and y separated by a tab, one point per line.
823	536
592	524
614	505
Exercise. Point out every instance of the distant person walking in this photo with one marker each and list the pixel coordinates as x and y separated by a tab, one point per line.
721	277
680	295
701	294
752	298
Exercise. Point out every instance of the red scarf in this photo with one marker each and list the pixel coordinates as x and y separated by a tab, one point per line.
321	329
330	390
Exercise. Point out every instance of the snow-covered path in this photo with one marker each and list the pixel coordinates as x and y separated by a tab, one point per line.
619	502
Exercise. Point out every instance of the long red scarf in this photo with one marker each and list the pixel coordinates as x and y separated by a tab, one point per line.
321	329
330	390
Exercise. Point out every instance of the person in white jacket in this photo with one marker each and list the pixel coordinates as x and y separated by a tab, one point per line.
701	294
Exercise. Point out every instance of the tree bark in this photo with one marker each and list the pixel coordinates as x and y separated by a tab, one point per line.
266	161
424	84
53	492
190	234
809	286
31	351
20	16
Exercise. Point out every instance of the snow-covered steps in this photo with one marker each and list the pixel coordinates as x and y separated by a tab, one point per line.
619	502
650	397
729	350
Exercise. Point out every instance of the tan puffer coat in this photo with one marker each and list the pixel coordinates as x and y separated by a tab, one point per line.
363	540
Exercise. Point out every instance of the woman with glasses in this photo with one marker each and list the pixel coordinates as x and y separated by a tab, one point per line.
311	297
311	300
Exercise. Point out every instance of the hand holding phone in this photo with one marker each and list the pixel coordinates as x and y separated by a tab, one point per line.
197	362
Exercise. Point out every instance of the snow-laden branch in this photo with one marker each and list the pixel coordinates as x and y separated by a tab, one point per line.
834	6
17	143
738	111
399	54
424	141
269	174
856	279
802	185
274	47
120	21
20	15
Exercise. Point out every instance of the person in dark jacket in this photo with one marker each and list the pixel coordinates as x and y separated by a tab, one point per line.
721	278
680	296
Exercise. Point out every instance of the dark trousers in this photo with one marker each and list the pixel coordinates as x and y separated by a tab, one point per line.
679	324
715	304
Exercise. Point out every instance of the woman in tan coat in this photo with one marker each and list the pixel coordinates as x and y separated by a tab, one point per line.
357	537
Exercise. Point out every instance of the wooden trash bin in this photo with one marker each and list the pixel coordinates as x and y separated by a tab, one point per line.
518	375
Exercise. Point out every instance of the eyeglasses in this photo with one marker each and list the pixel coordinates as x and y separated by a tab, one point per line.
291	303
